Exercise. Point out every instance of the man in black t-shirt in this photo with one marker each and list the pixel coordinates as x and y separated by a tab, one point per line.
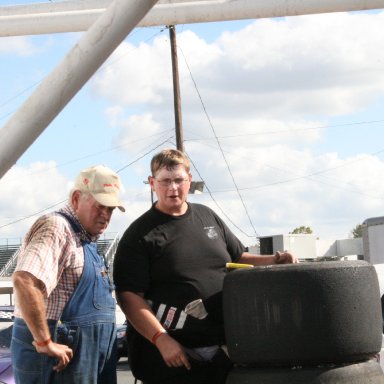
168	271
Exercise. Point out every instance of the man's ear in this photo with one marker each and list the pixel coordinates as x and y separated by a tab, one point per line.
75	199
151	182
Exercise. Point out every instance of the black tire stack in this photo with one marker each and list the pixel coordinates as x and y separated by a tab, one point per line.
315	322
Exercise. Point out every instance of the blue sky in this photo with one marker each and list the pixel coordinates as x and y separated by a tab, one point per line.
296	104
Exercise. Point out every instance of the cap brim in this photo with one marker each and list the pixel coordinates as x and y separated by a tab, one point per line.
108	201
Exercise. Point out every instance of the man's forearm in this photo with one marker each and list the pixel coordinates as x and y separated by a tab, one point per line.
249	258
30	296
139	313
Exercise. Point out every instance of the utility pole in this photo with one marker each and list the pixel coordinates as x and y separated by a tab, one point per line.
196	186
176	90
176	95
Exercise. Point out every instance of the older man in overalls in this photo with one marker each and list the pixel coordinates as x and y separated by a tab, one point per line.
64	330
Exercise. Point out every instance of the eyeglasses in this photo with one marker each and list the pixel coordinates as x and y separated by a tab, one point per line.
167	182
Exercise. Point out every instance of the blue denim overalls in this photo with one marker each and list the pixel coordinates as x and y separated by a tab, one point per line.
87	325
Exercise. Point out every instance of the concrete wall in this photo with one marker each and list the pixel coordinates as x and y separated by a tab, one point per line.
308	247
373	240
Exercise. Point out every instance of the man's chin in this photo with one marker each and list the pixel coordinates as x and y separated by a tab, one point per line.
175	204
100	230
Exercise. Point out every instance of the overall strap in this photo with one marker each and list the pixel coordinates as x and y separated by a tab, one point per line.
92	299
75	226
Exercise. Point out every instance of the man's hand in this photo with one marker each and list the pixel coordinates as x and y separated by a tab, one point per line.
61	352
172	352
285	258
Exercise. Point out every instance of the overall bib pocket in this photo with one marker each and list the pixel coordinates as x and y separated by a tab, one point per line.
101	286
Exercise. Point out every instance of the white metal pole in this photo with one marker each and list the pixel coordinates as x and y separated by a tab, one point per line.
68	77
75	16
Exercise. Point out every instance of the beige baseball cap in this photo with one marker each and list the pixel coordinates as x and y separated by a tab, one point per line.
102	183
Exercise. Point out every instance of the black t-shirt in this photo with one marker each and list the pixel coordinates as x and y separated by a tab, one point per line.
175	259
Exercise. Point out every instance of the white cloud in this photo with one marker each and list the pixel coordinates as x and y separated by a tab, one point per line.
25	192
134	126
271	84
135	75
28	192
272	69
283	188
18	45
302	65
255	132
114	115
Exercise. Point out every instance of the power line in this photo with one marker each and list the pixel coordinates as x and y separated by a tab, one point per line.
111	63
62	201
98	153
101	69
218	142
309	177
178	124
279	182
280	131
32	214
320	172
217	204
145	154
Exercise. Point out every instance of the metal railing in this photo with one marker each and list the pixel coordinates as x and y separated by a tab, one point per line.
110	253
108	256
10	265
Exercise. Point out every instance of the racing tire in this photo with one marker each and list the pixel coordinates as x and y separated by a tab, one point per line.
302	314
368	372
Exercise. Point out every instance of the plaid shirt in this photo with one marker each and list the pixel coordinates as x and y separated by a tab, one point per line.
53	253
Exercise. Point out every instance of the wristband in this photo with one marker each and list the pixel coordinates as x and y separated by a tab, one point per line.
157	335
43	343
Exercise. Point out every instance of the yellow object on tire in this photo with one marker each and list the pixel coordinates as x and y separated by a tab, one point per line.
237	265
